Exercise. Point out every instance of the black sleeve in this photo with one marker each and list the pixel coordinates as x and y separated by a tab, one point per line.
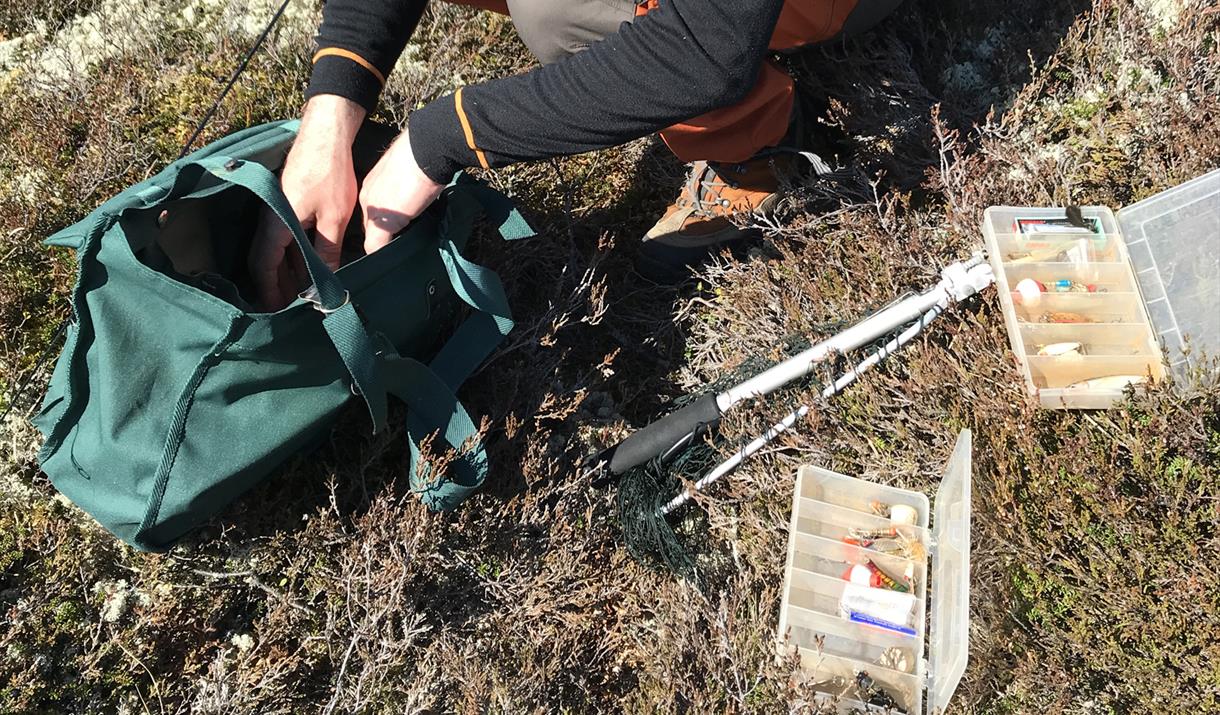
358	44
677	62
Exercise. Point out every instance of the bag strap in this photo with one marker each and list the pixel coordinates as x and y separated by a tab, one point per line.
432	408
429	390
477	286
342	323
497	209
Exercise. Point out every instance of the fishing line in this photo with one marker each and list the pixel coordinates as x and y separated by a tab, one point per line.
241	67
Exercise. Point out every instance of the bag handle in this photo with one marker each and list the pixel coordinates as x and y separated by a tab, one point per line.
429	390
329	297
497	209
433	408
153	189
477	286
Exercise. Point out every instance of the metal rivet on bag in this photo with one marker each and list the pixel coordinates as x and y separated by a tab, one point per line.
431	289
232	164
162	218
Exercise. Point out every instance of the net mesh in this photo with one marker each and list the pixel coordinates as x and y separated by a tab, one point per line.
643	490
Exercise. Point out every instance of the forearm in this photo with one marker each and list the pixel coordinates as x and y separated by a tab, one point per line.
683	60
331	118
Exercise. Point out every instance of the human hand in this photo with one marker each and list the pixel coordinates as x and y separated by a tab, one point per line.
320	183
394	193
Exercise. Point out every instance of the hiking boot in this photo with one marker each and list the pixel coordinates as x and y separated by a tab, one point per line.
700	220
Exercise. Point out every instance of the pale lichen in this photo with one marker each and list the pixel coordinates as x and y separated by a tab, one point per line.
1163	14
243	642
125	28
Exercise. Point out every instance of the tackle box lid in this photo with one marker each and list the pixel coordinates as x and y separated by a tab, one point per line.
1173	241
949	629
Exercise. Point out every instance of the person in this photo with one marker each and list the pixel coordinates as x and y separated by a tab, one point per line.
699	72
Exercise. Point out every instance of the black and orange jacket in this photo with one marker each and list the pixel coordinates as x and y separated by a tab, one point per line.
679	61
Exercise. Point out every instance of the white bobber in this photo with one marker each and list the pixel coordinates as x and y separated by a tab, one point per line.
1029	291
860	575
902	514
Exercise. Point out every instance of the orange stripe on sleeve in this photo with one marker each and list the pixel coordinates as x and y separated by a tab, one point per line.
457	101
348	55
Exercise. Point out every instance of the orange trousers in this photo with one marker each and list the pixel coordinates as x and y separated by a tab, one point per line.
738	132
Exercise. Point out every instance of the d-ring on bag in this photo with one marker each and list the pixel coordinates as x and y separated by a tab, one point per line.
172	396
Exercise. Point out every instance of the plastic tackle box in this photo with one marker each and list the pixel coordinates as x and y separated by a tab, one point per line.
1089	306
829	511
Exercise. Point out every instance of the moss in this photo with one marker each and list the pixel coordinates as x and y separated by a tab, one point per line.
1082	110
488	570
11	552
67	615
1045	600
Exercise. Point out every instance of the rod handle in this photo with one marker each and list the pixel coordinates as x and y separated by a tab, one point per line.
658	438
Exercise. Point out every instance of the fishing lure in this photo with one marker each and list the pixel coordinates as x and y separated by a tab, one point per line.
881	579
869	535
904	515
1062	350
1111	382
1064	285
890	542
1060	316
895	658
874	694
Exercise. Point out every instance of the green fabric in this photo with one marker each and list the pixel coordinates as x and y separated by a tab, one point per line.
171	398
342	323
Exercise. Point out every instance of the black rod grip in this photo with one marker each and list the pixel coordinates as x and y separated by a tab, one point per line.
656	439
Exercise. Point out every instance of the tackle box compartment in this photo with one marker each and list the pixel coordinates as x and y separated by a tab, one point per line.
1089	307
829	512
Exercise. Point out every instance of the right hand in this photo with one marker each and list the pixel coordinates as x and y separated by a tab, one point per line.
320	183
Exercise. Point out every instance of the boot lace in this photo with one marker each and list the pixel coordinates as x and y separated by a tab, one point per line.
703	190
706	181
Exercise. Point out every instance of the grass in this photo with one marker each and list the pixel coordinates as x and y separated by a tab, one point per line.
1096	564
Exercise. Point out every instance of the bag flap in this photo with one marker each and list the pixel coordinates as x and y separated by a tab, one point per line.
251	140
70	237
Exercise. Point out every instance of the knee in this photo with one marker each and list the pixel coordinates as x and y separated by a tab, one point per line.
555	29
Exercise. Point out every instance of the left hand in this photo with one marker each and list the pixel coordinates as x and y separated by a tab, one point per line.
394	193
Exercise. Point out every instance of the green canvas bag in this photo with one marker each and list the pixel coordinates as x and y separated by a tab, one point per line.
172	396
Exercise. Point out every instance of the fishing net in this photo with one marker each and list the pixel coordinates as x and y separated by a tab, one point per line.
646	491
